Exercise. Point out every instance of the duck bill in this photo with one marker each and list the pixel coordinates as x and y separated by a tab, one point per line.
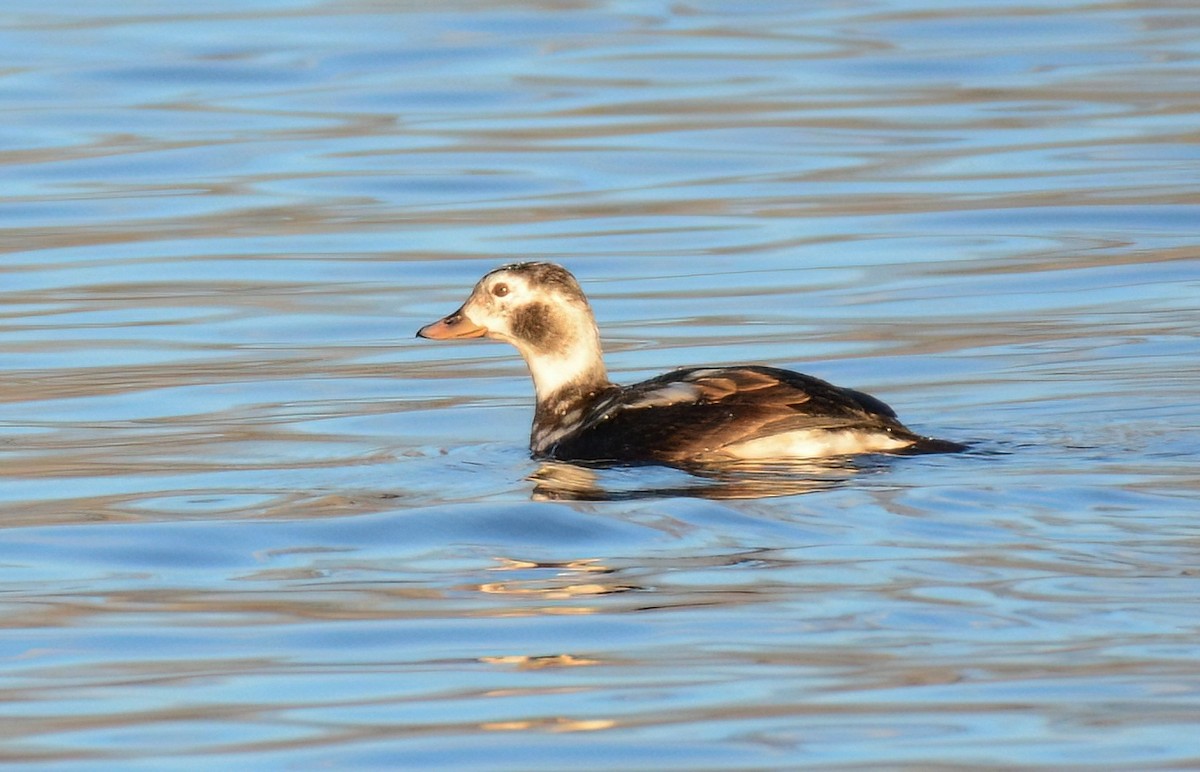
456	325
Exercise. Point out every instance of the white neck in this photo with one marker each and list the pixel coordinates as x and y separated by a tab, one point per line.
552	372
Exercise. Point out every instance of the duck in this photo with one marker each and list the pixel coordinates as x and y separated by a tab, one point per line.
687	417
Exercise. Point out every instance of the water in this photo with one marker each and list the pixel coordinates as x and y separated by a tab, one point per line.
249	521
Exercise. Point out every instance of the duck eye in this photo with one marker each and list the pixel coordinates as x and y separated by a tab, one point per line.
500	290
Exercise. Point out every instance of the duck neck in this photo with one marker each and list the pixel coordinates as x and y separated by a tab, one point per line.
563	379
567	365
564	357
562	405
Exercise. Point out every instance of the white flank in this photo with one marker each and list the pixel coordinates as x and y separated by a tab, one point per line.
814	444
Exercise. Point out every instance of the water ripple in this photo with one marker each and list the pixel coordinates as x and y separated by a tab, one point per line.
248	518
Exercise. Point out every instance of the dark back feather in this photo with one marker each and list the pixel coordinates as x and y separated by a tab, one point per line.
699	410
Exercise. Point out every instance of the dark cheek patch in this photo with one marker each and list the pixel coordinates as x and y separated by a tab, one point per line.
536	325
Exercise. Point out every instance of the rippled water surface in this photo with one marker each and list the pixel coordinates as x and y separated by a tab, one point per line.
249	521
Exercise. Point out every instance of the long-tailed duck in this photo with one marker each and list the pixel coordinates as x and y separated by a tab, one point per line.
698	415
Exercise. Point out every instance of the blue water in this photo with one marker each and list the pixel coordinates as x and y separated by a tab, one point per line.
249	521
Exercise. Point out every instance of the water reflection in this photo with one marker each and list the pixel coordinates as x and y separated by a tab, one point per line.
553	581
539	662
562	481
557	724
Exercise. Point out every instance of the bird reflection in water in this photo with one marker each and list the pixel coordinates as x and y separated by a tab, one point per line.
563	481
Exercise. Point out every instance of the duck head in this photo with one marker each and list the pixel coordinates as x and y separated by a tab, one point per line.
540	309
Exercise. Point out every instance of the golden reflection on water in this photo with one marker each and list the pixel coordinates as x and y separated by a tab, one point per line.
557	724
563	582
538	662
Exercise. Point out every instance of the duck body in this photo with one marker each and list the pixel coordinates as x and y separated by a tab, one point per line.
697	415
714	414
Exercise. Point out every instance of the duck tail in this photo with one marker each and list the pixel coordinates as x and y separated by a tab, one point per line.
932	445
